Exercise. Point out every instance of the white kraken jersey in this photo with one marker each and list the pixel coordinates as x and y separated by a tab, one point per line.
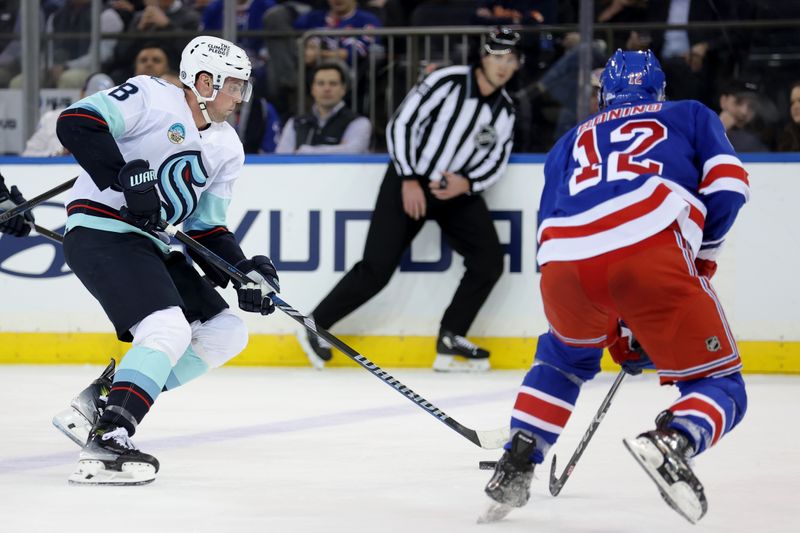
150	119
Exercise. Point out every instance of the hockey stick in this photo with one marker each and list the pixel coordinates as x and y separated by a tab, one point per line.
489	439
33	202
46	233
557	483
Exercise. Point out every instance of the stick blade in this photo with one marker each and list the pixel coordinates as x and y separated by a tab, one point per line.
555	483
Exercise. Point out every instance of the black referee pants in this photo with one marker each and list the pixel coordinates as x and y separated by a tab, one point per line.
465	222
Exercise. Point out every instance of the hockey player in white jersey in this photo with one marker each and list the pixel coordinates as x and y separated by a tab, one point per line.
151	151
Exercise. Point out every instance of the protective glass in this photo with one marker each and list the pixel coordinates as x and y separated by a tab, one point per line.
237	88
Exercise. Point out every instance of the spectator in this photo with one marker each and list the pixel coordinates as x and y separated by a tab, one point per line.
496	12
341	14
789	140
72	57
738	112
10	48
157	16
281	67
330	127
249	16
151	60
44	142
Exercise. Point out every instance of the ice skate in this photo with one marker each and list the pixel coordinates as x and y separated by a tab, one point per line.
510	484
110	458
664	454
85	409
455	353
317	349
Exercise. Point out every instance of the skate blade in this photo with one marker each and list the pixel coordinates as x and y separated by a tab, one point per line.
93	472
680	495
316	362
457	363
74	425
494	512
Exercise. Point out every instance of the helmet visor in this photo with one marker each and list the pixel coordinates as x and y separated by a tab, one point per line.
237	88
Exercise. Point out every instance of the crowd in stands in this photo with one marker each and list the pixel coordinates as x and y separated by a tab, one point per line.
748	75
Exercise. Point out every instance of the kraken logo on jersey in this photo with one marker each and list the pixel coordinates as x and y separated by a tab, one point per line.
177	174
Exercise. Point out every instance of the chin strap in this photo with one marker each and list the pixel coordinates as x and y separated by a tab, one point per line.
201	101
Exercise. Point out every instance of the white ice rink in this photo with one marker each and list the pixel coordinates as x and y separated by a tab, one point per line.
294	450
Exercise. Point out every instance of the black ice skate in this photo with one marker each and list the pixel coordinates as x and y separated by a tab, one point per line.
85	409
317	349
110	458
511	481
664	454
455	353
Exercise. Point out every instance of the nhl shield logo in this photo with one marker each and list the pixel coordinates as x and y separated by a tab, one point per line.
713	344
486	136
176	133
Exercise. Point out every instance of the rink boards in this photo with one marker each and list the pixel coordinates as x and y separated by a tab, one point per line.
311	215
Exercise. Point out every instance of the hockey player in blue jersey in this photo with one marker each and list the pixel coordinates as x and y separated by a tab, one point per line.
636	205
151	151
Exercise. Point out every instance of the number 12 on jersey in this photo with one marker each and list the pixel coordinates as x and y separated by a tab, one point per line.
641	136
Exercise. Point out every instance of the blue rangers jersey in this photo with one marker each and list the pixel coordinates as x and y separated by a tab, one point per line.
630	171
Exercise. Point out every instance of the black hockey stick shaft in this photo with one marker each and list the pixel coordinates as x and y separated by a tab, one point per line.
557	483
33	202
49	234
490	439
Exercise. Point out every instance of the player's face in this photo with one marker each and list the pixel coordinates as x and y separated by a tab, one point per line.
794	99
499	68
327	89
233	92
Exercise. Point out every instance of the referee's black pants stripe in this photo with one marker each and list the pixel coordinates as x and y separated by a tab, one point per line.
469	229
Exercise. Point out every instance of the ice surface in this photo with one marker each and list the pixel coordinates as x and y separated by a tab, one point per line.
295	450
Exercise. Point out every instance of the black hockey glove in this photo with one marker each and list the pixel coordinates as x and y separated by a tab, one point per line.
20	225
254	297
142	208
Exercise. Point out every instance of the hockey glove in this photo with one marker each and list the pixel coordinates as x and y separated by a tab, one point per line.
142	208
20	225
254	297
705	268
628	353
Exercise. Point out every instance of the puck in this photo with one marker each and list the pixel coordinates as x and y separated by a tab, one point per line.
487	465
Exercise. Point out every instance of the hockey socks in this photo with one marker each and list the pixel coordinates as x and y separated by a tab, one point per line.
550	389
708	408
139	379
190	366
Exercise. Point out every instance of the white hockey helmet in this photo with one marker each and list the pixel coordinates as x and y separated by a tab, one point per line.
221	59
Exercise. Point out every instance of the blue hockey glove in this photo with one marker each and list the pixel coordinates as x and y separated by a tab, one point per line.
254	297
628	353
142	208
20	225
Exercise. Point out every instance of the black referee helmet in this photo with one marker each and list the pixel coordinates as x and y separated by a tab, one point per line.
501	41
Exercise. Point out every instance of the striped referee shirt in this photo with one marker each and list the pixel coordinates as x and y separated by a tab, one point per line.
444	124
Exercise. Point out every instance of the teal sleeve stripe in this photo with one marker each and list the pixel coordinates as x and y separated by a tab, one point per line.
108	224
211	212
103	105
145	368
189	367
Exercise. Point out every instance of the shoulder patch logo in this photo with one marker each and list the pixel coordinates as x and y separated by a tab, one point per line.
176	133
486	136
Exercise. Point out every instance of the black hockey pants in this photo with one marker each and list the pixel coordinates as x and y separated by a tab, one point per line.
465	222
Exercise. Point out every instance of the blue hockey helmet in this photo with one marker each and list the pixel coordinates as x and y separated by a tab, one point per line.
631	77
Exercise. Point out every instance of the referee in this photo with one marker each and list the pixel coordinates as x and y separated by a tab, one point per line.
449	140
